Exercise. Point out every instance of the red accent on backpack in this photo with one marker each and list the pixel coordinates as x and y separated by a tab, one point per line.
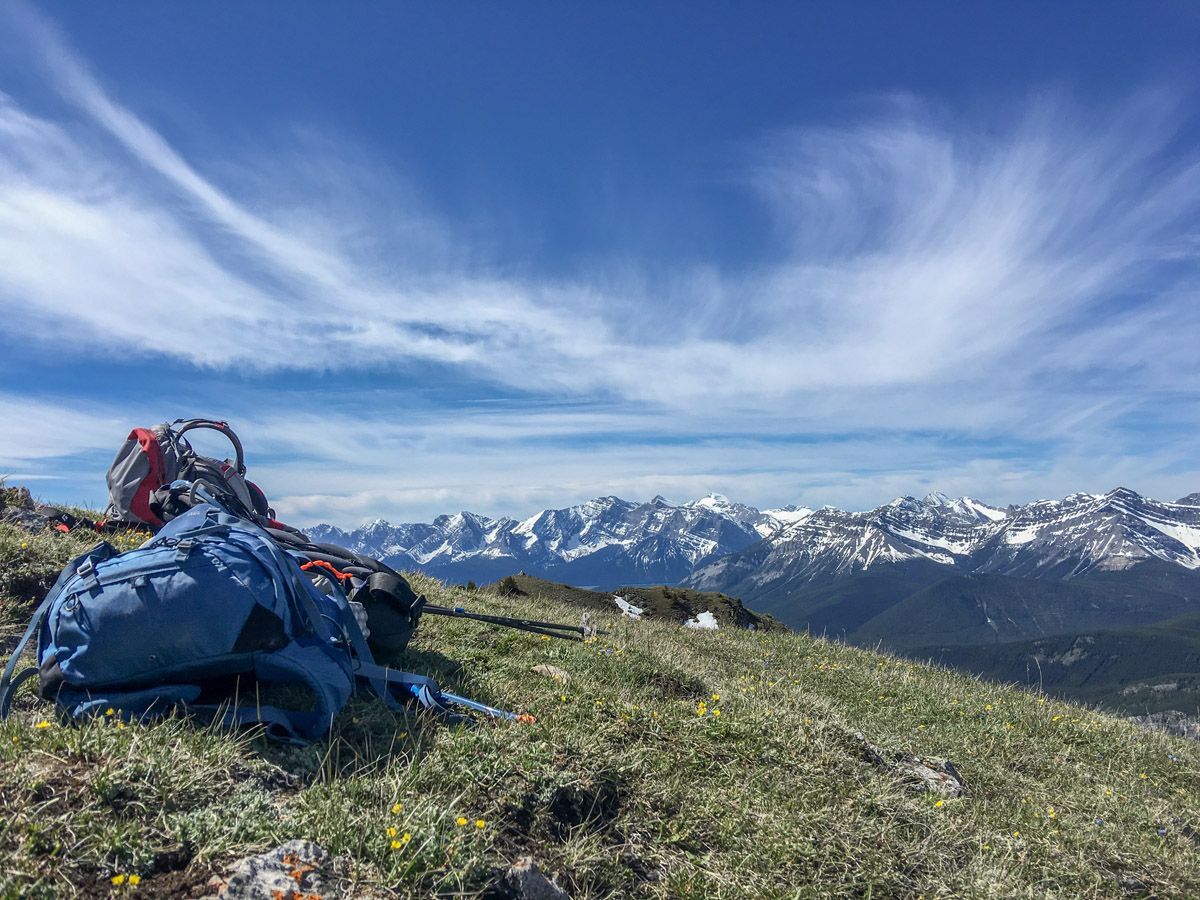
140	504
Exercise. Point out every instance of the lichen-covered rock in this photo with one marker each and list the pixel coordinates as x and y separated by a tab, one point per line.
922	773
1171	722
548	671
297	870
527	882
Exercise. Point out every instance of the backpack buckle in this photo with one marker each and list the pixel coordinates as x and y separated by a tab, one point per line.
183	548
87	572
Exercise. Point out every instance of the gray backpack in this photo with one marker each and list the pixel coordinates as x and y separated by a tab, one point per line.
152	458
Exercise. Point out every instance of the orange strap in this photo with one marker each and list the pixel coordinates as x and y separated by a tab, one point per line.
321	564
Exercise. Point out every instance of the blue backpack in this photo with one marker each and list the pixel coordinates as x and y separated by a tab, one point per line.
210	602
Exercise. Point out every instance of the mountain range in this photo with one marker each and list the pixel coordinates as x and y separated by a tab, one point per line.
776	555
604	543
1072	594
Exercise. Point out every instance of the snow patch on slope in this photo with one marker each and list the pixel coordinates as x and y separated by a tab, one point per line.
627	608
705	621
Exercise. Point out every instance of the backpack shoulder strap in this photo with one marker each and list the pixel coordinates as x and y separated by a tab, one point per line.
9	682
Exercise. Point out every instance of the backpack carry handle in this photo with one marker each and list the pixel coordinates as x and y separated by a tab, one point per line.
223	427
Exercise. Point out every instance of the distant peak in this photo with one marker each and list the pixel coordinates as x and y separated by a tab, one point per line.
711	500
936	498
1123	492
601	502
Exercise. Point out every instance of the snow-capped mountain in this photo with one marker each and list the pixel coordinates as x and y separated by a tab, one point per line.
717	544
605	543
1064	538
1086	532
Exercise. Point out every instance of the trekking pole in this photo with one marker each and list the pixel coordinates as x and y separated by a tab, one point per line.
548	628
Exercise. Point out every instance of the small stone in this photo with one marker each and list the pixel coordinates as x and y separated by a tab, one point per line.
527	882
548	671
289	872
936	776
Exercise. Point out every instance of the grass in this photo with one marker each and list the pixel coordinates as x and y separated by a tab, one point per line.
621	787
674	604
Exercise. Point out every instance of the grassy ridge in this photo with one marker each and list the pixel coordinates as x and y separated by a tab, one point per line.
621	787
671	604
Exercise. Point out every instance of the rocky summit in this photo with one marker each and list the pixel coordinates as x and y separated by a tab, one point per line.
604	543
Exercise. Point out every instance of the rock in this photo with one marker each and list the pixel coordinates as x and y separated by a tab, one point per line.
936	776
25	519
526	881
17	508
297	870
1171	722
16	498
549	671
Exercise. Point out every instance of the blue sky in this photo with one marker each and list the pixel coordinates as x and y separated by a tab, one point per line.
427	257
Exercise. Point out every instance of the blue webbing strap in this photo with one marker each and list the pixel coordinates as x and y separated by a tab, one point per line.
9	689
9	684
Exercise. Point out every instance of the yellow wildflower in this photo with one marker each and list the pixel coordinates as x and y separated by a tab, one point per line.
135	880
716	696
396	845
940	804
46	724
118	880
391	831
717	712
110	712
396	807
1016	834
480	823
406	838
461	821
1050	813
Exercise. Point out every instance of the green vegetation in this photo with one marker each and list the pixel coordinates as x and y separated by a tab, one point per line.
672	763
1150	668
